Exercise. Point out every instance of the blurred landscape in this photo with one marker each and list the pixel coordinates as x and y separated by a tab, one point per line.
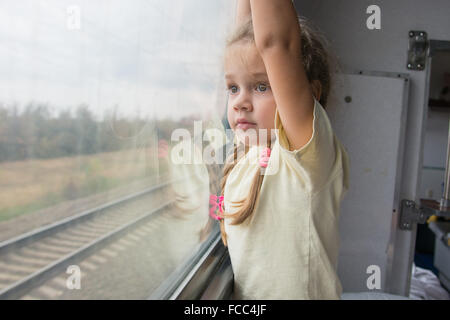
49	158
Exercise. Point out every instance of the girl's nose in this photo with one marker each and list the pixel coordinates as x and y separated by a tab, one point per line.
243	102
243	107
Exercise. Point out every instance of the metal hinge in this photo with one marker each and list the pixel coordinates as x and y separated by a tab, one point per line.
417	50
410	214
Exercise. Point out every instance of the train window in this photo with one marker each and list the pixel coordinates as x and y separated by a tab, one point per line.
92	205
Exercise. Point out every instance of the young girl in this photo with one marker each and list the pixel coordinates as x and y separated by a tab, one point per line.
281	229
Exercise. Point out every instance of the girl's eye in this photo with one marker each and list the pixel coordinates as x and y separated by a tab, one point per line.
231	89
263	87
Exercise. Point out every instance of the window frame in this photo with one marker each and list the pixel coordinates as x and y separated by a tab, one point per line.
206	275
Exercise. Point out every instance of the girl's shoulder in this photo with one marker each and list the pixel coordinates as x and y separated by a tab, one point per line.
321	158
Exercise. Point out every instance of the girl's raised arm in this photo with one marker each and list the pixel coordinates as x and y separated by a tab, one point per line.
242	11
277	38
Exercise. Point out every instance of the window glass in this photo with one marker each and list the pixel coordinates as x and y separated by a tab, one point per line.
94	97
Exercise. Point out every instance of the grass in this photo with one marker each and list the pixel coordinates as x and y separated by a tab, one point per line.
28	186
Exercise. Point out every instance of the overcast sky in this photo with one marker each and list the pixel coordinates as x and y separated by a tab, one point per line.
160	57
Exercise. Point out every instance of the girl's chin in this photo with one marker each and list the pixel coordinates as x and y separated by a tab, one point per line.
247	137
249	141
252	137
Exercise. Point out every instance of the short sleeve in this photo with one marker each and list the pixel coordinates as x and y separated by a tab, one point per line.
316	161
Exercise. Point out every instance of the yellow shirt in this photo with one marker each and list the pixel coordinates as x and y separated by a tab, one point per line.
288	249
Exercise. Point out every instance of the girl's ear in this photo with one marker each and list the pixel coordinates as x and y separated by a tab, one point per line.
317	89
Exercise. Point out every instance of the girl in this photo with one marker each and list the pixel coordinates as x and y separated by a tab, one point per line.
281	229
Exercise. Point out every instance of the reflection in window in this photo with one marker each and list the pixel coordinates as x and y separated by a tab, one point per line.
90	95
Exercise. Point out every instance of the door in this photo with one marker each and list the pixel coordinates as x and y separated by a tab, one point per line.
368	112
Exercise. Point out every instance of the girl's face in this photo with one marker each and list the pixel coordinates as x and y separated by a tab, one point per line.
251	105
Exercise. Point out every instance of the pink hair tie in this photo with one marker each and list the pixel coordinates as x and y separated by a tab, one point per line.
214	205
264	157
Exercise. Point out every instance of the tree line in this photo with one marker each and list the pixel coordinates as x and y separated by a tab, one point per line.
36	133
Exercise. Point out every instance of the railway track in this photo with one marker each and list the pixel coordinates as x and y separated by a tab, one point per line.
29	260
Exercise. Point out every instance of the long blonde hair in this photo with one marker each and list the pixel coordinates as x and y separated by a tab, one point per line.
316	62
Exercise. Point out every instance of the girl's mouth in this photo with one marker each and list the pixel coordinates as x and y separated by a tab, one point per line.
245	125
